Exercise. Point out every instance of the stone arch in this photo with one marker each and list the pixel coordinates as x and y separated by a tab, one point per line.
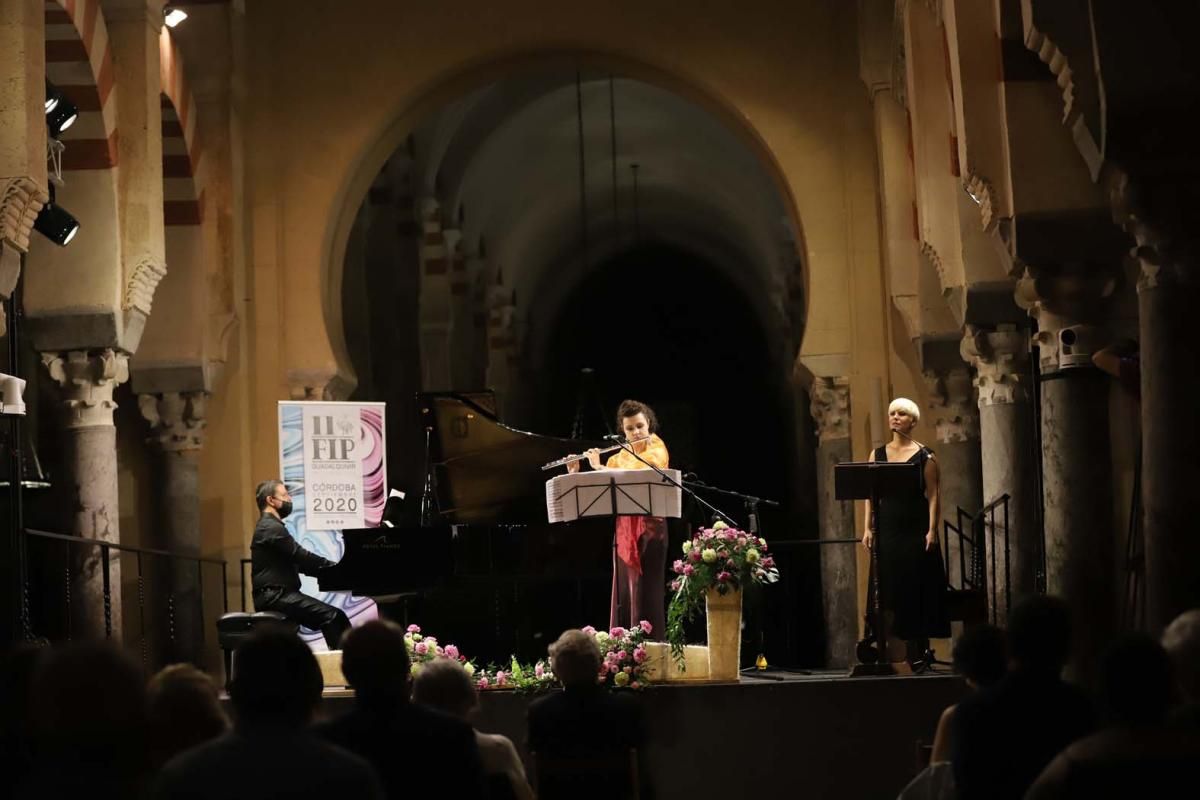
463	80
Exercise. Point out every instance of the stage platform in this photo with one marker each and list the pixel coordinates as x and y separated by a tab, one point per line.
820	735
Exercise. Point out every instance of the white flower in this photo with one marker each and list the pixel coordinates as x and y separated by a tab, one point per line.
469	667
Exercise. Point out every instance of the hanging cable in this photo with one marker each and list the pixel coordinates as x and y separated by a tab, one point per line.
612	124
583	222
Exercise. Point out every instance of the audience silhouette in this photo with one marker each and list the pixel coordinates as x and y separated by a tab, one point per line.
400	739
183	711
270	752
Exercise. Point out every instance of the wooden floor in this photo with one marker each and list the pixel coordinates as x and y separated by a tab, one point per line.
811	735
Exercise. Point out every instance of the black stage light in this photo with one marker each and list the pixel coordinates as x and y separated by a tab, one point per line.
52	96
56	224
61	116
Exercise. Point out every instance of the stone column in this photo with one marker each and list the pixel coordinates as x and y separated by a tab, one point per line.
177	428
1000	357
1168	298
955	415
87	380
435	313
1077	511
502	335
839	571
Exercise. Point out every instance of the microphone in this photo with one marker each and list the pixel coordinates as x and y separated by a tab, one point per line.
613	437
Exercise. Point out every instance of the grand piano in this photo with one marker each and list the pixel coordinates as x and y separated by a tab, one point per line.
487	571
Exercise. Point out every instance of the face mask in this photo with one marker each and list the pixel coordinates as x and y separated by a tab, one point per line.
284	509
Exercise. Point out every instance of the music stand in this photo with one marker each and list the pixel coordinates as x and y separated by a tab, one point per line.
874	480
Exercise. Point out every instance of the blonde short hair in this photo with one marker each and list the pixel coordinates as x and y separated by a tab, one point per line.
907	406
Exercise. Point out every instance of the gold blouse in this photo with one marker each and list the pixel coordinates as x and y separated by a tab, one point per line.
655	452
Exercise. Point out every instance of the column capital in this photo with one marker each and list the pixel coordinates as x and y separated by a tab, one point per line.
87	379
952	404
177	419
830	407
21	198
999	356
1066	304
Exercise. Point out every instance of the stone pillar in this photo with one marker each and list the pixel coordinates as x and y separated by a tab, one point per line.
501	339
1168	298
435	313
1077	511
1000	357
87	380
955	415
177	428
839	571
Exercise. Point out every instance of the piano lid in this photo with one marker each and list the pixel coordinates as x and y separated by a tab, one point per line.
485	470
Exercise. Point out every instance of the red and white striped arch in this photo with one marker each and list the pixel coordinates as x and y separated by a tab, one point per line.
182	203
79	62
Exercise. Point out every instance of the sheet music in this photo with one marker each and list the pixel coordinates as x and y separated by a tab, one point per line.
589	494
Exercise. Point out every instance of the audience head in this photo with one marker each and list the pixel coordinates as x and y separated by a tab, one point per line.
444	684
183	710
375	661
276	679
1182	642
980	655
1135	681
1039	634
575	659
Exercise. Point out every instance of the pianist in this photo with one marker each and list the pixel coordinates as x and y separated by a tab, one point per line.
640	554
277	560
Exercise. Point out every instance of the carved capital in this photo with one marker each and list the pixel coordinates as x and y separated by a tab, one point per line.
1165	248
1061	301
980	190
20	201
952	405
176	419
87	379
139	290
999	358
317	385
830	407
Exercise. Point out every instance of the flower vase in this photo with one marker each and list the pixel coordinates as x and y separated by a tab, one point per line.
724	612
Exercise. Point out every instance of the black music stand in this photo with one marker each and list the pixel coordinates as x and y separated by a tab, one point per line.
874	480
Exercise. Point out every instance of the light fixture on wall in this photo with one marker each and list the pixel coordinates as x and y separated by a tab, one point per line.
173	15
61	113
56	223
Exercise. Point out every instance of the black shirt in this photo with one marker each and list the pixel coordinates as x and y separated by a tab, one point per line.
277	559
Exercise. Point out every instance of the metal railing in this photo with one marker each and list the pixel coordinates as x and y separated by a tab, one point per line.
987	540
59	558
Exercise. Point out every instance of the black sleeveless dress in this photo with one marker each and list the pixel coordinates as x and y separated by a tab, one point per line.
912	580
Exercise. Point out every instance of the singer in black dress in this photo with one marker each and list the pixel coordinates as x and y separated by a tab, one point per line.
912	578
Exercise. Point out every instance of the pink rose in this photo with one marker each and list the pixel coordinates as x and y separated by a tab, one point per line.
688	569
622	655
452	651
723	576
539	670
483	683
639	655
501	678
414	628
694	556
613	668
421	648
675	584
617	632
589	630
646	626
678	565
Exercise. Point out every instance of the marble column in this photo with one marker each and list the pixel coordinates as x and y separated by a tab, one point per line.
839	571
87	379
955	415
1000	357
177	423
1077	486
1168	298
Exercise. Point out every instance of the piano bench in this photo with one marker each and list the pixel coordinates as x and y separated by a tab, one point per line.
237	626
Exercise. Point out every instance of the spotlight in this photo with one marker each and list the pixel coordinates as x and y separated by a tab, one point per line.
56	224
60	115
173	16
52	96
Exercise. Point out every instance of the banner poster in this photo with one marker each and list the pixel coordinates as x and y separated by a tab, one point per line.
333	461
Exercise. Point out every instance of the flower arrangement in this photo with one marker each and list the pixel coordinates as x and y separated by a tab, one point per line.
720	558
625	660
